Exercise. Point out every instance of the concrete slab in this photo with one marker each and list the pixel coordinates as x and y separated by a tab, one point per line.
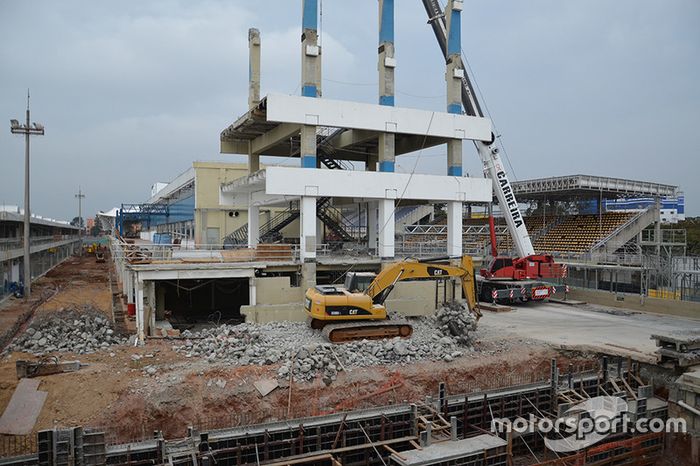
24	408
447	451
493	307
265	386
568	302
587	328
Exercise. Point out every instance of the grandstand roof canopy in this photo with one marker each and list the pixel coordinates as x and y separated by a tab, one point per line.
588	186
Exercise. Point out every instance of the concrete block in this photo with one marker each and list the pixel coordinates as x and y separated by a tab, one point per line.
412	299
277	290
263	313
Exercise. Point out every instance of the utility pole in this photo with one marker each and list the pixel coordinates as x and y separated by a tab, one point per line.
27	129
80	197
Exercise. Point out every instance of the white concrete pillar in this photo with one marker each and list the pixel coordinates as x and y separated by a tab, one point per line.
372	229
252	292
150	304
386	226
454	229
253	226
307	229
125	280
140	313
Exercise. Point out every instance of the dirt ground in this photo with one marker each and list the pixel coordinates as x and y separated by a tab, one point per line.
116	393
78	280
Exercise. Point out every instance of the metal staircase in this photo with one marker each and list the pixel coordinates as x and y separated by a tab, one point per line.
270	230
332	217
627	231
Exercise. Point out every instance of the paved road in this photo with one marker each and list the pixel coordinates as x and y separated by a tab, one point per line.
588	327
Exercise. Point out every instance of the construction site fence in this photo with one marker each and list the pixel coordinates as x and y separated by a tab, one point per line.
17	445
213	252
404	247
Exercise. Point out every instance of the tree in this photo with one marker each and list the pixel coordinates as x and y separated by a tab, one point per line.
78	222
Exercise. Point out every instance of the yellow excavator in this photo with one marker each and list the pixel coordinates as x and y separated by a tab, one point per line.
356	310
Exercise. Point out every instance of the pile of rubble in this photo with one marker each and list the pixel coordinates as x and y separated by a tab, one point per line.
304	352
79	330
453	320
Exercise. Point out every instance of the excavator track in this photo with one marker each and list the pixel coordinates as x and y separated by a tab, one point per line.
367	330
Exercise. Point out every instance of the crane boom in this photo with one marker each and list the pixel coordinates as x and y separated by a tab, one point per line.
488	151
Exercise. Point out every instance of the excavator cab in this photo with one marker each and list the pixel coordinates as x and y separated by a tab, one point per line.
358	282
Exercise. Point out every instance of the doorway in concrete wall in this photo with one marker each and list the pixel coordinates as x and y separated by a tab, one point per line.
193	304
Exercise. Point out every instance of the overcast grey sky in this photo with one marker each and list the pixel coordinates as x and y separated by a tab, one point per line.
132	92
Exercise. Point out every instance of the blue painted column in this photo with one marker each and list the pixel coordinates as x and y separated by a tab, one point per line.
453	76
386	66
310	76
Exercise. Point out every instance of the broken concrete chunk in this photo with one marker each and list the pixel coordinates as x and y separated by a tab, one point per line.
265	386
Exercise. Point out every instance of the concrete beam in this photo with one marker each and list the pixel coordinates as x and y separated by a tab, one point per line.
195	274
272	138
289	181
351	137
234	147
380	118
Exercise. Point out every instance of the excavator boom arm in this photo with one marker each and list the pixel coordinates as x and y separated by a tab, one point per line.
384	282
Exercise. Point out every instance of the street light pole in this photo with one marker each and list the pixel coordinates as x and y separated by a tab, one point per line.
28	130
80	197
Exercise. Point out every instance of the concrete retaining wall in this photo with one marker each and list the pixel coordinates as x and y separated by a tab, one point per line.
635	302
278	300
277	290
412	298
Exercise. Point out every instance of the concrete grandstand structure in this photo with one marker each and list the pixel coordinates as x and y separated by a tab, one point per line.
270	232
51	241
204	336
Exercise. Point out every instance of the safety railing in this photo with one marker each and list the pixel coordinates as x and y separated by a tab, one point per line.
620	228
18	242
669	236
148	253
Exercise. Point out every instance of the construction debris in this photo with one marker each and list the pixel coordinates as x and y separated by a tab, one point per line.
45	366
80	329
305	353
455	320
682	349
265	386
